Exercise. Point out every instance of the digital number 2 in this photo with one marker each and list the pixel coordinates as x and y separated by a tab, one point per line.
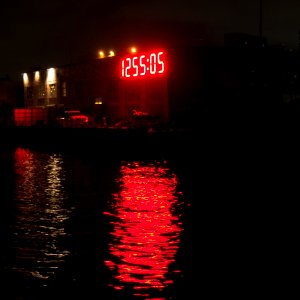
127	68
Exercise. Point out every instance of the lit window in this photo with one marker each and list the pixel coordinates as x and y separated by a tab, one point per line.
52	90
42	92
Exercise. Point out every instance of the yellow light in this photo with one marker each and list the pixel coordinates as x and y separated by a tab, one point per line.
51	75
101	54
111	53
25	78
133	50
98	100
37	76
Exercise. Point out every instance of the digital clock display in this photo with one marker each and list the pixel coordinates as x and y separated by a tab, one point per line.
143	65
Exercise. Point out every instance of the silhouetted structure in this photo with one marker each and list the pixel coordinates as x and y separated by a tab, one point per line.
11	95
202	82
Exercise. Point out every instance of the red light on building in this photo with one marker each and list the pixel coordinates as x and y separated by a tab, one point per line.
30	116
144	65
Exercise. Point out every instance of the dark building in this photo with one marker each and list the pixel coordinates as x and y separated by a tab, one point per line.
177	85
239	39
11	95
112	86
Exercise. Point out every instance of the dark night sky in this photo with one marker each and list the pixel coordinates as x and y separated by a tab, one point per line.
48	33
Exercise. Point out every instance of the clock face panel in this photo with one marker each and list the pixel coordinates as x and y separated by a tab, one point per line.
148	64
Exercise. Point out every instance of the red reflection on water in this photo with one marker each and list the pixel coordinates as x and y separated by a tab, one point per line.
25	168
23	159
146	229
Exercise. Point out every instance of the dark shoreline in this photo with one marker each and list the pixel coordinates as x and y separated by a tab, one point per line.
109	141
212	135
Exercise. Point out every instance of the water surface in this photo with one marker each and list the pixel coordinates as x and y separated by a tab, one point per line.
78	226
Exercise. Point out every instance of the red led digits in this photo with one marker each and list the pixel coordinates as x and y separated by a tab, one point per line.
145	65
142	65
127	65
135	66
152	67
160	62
123	68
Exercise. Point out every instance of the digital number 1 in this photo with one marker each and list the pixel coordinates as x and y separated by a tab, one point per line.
123	69
127	68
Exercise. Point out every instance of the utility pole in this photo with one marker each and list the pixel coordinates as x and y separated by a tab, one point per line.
260	23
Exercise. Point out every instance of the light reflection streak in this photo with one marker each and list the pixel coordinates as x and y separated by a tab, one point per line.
41	214
146	229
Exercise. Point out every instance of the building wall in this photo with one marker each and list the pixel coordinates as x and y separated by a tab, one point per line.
41	88
98	81
94	86
149	96
7	91
88	81
204	82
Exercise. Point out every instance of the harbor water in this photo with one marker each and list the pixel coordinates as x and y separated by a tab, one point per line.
78	226
178	218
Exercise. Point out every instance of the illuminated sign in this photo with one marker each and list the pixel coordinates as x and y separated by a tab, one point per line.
143	65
